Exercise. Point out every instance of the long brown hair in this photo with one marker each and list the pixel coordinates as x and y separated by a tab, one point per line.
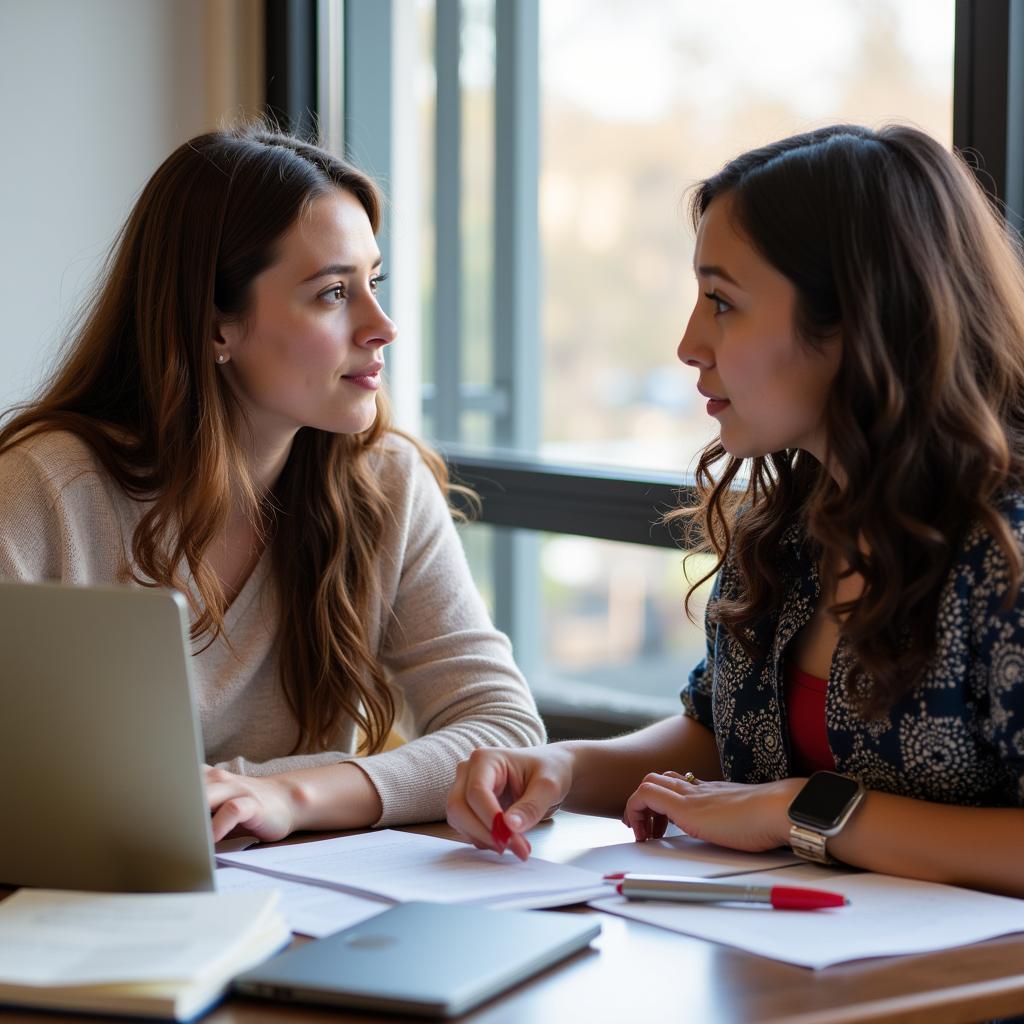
138	384
889	241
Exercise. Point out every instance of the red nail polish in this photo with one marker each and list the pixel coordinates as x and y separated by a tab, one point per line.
500	832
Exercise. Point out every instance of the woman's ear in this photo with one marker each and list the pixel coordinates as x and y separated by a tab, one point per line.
226	333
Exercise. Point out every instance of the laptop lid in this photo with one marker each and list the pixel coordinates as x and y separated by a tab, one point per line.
433	959
100	749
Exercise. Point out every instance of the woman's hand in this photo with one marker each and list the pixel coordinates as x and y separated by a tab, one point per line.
241	805
527	785
743	817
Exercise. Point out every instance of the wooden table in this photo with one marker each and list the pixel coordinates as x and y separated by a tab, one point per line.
636	974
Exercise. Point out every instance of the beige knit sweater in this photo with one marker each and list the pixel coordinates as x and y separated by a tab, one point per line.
62	517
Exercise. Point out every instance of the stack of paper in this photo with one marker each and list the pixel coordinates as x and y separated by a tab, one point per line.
166	955
308	909
885	916
679	854
402	866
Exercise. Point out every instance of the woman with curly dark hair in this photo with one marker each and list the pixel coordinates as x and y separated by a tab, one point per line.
859	336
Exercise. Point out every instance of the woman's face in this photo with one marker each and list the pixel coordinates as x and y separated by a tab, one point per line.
309	353
765	386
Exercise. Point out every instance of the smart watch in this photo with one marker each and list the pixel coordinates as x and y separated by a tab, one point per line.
820	810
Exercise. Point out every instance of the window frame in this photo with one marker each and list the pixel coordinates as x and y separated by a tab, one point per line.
519	491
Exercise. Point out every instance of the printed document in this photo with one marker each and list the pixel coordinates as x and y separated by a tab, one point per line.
679	854
309	909
404	866
886	916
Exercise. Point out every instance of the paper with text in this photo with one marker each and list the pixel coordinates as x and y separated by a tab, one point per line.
679	854
52	937
886	916
404	866
309	909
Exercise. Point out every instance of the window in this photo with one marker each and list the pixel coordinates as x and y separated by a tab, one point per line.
543	203
639	99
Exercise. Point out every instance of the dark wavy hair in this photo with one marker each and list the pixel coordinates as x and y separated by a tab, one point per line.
139	385
890	242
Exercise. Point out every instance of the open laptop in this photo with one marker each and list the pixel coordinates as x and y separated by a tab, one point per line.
433	959
100	752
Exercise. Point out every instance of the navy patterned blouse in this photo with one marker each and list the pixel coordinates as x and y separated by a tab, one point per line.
957	738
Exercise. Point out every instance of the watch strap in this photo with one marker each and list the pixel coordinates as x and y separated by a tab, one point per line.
809	845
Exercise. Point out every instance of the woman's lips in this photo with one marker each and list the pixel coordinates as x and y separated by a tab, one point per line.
369	381
715	403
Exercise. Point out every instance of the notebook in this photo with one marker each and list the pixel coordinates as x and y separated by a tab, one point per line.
99	741
168	955
431	959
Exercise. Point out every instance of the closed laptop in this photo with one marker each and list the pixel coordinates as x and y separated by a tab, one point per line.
432	959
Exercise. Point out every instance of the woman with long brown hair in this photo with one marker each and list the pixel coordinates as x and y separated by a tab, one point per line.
859	336
217	426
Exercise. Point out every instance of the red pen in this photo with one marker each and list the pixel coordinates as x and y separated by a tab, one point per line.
500	832
684	890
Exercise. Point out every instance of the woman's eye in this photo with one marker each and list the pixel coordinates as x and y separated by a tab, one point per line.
376	282
721	306
333	295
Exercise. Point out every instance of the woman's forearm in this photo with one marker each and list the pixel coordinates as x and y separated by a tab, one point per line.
974	847
605	772
332	797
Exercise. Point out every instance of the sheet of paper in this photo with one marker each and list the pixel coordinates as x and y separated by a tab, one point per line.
679	854
886	916
309	909
52	937
403	866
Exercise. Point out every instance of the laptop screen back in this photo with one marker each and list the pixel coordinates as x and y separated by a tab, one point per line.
99	744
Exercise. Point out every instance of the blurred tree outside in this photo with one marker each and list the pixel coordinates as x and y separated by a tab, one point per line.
640	99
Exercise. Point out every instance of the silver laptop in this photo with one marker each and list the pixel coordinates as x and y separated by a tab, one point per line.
433	959
100	752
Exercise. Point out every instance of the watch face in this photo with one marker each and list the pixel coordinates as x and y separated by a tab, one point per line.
823	800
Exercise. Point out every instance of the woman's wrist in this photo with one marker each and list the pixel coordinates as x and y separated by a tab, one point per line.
571	761
594	780
783	793
337	796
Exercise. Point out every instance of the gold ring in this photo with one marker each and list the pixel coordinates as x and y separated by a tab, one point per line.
690	777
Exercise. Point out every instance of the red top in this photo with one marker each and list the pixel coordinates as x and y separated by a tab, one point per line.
805	713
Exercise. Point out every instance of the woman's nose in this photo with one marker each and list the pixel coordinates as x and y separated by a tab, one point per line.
692	351
380	331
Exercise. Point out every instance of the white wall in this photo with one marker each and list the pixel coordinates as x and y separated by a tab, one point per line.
95	94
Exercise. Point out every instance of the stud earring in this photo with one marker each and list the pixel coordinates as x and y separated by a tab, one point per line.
221	358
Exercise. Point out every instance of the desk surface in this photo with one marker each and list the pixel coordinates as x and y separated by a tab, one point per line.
635	971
